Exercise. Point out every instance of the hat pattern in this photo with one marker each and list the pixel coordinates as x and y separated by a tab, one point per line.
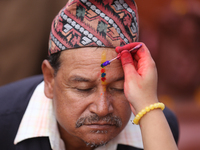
107	23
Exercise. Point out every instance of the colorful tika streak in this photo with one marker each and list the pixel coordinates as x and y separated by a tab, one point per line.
103	71
106	63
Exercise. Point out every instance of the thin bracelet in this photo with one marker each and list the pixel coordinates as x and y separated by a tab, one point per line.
147	109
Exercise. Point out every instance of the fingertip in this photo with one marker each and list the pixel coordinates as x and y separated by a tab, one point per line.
129	46
117	49
128	64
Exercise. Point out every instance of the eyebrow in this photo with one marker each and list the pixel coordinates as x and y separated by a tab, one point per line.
121	78
77	78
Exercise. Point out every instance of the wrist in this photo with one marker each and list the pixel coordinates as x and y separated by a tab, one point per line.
141	104
146	110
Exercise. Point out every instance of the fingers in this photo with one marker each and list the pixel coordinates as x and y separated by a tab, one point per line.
140	75
138	61
142	52
129	59
138	53
126	57
119	49
128	63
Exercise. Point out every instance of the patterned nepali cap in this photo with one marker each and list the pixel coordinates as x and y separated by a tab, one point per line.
99	23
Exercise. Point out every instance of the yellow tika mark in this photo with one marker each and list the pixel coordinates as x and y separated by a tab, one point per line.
103	71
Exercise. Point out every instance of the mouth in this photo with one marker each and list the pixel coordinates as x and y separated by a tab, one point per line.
100	126
95	121
100	123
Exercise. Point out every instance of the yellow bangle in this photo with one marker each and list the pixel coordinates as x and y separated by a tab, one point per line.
147	109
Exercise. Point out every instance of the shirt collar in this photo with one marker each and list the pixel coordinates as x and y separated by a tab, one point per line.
39	121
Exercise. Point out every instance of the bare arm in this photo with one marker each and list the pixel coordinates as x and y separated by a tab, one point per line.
140	89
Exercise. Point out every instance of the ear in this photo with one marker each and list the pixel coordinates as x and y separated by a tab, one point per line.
48	73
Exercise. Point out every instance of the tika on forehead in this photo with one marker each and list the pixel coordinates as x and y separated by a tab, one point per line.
104	23
103	71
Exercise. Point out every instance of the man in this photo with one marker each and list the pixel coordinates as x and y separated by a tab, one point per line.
82	104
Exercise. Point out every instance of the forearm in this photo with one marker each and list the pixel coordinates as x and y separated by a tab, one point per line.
140	88
156	132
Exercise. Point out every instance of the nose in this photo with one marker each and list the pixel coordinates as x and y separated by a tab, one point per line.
101	105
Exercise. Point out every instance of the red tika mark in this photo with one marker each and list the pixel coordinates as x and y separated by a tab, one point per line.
102	70
103	79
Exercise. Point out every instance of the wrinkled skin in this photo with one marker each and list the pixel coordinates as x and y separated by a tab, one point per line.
77	92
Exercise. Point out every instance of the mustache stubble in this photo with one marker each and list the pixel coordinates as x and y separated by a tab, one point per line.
93	118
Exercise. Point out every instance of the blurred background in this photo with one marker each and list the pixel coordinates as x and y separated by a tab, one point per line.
169	28
24	32
171	31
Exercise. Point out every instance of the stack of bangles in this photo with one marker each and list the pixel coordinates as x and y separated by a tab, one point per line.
147	109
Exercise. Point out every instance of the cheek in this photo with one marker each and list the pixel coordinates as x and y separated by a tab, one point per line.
65	115
123	109
67	109
126	112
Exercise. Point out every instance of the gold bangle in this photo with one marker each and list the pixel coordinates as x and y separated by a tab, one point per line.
147	109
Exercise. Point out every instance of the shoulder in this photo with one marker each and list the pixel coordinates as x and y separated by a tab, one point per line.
173	123
14	99
17	93
38	143
127	147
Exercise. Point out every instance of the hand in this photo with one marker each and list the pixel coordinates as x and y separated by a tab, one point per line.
140	86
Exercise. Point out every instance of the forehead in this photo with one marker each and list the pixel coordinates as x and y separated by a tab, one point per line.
87	60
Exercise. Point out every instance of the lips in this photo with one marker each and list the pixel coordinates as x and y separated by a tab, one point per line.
99	126
95	120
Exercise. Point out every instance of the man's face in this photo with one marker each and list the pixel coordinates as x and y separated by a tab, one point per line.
87	110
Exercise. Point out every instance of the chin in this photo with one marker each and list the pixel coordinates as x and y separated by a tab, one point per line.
98	138
97	142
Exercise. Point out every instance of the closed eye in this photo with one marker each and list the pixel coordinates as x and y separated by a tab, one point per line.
84	90
117	89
